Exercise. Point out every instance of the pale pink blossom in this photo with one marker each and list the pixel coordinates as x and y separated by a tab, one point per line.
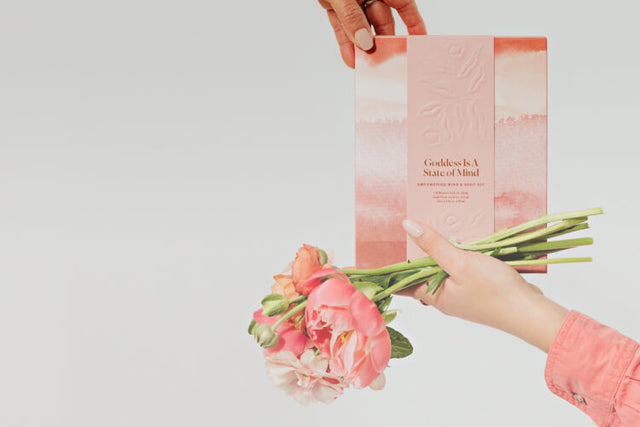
306	378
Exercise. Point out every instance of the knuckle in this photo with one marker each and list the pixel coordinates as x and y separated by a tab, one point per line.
427	241
352	17
385	28
462	260
406	5
335	24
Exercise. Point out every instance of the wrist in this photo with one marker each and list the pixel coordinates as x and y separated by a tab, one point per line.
535	319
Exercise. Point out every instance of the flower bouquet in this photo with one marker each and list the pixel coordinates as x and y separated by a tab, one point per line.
324	329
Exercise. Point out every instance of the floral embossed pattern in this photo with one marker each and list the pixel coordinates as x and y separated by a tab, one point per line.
454	86
450	103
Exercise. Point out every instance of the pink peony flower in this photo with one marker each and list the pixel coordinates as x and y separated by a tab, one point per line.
318	277
306	378
289	338
347	327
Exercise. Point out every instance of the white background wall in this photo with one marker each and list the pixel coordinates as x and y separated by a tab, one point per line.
161	160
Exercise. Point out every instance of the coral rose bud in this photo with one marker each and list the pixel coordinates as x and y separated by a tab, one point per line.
265	336
274	304
306	263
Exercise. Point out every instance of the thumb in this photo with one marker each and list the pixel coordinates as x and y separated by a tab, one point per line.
450	258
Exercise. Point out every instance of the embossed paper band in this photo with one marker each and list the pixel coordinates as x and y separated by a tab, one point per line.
450	136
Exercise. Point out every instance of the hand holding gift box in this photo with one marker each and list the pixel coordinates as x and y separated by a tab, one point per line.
352	21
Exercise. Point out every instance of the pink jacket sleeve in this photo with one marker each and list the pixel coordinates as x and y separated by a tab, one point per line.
596	369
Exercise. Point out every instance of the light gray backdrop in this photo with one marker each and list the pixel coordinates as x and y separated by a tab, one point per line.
161	160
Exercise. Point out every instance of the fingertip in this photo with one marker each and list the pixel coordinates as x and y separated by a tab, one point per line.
348	55
373	49
448	256
413	228
364	39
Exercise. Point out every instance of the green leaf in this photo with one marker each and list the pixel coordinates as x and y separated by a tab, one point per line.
387	281
378	280
440	282
494	252
389	315
383	304
367	288
396	277
252	326
400	345
436	282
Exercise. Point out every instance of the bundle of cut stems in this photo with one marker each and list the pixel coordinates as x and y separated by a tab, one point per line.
522	245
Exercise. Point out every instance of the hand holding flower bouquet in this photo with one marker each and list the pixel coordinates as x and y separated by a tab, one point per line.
323	329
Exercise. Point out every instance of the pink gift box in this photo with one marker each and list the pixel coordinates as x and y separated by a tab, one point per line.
450	131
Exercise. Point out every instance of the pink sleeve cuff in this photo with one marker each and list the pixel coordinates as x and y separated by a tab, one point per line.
596	369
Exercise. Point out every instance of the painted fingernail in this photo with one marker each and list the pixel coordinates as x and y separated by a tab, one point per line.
412	228
364	39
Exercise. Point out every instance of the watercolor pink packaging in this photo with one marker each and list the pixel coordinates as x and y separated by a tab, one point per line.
450	131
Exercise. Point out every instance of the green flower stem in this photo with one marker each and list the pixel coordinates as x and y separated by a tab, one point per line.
581	226
548	261
414	279
514	242
393	268
534	250
297	299
526	255
288	314
491	242
521	238
545	246
546	219
423	275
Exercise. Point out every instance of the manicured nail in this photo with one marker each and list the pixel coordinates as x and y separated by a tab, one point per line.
364	39
412	228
